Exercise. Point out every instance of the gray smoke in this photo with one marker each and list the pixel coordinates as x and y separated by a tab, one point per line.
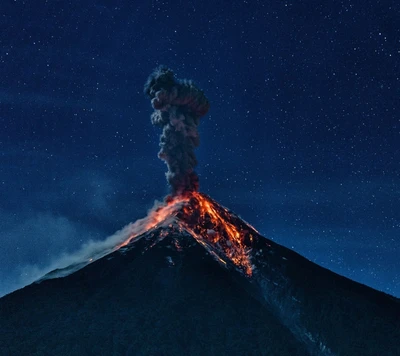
178	106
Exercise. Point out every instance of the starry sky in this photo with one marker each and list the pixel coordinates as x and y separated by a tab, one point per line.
302	138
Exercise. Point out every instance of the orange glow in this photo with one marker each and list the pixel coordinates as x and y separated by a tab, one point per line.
213	226
156	216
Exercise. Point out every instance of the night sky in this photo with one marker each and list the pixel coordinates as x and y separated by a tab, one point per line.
302	139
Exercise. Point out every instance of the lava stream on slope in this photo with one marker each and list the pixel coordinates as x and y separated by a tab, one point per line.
221	232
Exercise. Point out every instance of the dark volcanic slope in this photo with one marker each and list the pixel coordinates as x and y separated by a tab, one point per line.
328	312
169	299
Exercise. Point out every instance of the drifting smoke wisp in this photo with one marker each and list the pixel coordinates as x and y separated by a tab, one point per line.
63	265
178	106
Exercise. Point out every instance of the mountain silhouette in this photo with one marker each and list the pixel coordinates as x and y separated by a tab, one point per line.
199	282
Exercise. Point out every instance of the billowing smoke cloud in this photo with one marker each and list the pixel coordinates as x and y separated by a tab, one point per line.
178	106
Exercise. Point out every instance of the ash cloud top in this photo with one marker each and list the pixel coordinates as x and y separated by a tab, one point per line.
178	106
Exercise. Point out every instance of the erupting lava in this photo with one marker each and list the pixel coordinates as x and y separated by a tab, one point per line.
210	223
161	215
213	226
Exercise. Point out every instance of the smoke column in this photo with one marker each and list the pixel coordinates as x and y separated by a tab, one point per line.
178	106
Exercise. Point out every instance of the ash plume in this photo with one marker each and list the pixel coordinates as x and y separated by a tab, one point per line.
178	106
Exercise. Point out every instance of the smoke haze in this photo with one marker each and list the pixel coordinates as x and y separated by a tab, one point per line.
89	252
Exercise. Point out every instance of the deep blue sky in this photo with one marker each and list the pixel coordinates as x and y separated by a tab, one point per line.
302	138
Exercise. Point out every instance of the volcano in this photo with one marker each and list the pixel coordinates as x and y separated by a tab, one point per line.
198	280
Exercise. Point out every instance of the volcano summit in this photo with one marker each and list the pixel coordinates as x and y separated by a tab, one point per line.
193	278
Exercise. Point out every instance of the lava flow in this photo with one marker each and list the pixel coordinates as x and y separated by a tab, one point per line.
160	215
211	224
223	234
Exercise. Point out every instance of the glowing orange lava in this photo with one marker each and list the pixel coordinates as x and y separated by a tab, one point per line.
210	222
212	225
157	215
